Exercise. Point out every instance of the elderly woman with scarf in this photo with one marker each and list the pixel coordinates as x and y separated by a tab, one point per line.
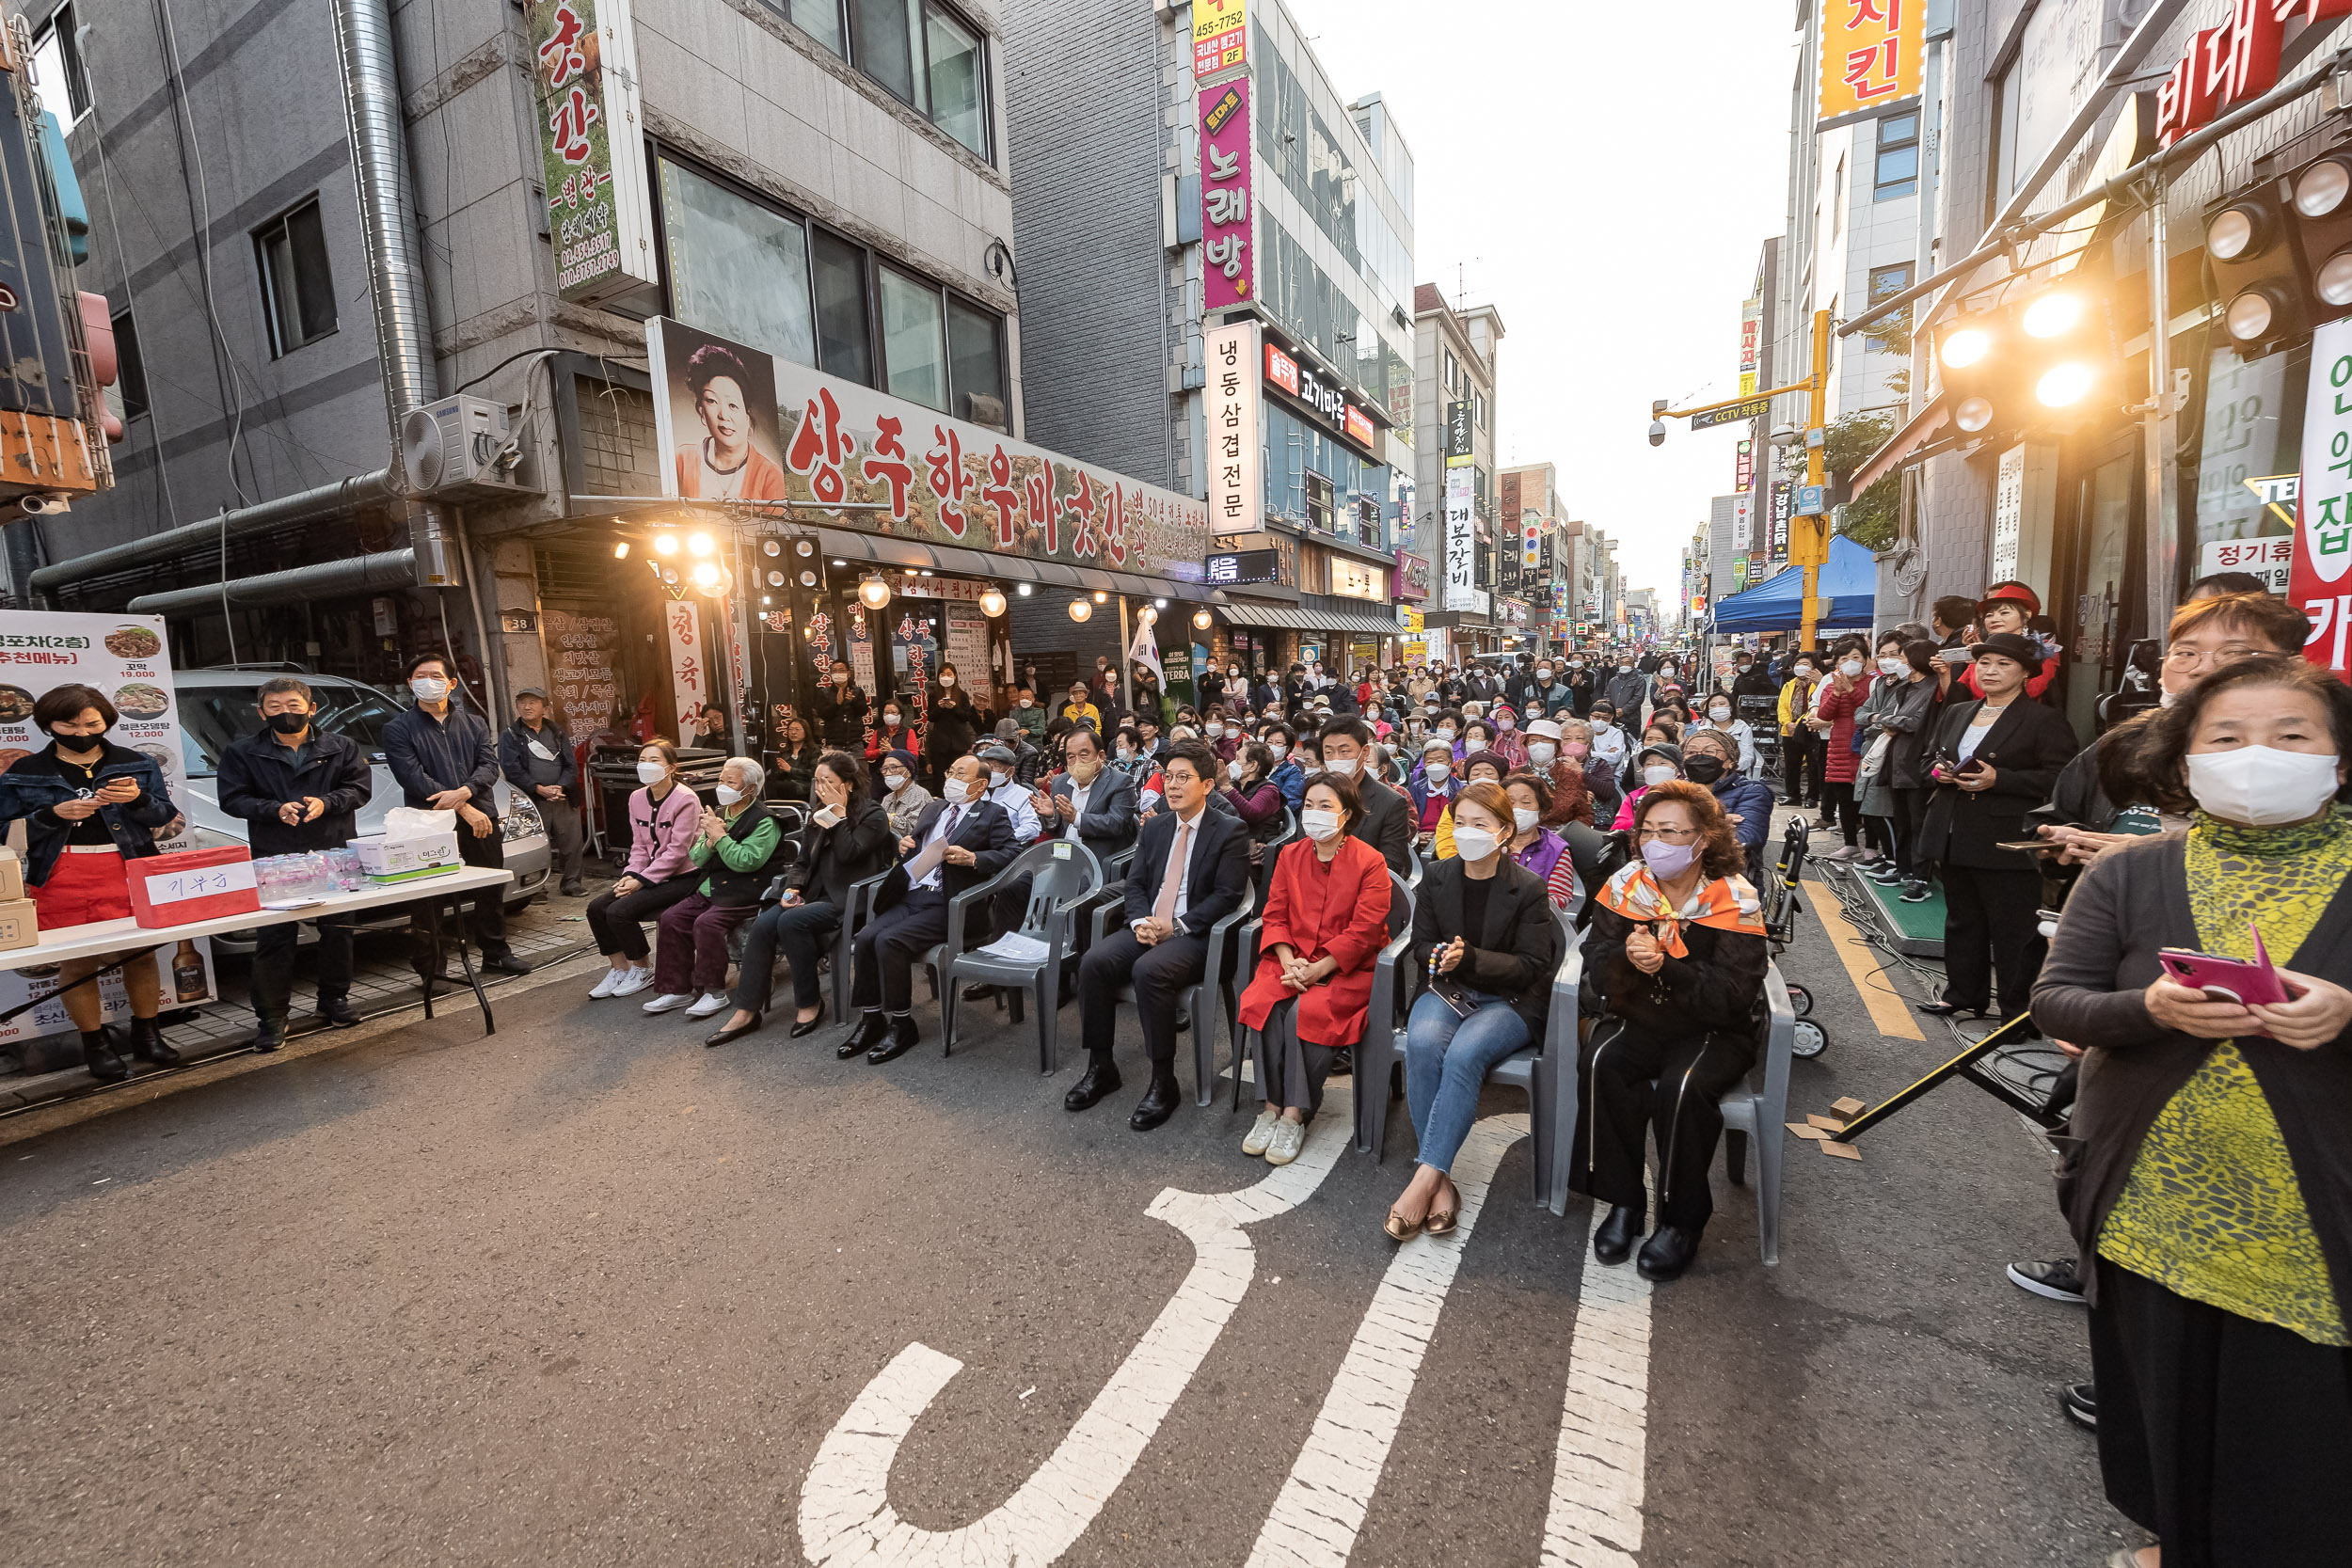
1510	743
1679	953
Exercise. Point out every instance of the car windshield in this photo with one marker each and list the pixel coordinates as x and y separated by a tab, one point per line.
211	717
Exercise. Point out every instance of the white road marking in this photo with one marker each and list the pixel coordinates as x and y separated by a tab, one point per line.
1321	1505
846	1516
1595	1520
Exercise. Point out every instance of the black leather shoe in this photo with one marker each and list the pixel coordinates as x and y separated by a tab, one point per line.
147	1043
98	1055
811	1027
339	1011
979	994
506	963
1614	1242
720	1037
867	1034
904	1036
1666	1255
1158	1103
1101	1079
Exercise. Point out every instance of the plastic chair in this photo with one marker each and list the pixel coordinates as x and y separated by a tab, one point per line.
1376	1054
1215	985
1262	876
1063	878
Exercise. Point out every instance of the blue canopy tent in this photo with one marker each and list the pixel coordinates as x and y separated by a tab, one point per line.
1850	582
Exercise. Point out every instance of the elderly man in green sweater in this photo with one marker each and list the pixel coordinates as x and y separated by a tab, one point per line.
737	846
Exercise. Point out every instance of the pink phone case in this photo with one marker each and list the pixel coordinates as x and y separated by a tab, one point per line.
2238	980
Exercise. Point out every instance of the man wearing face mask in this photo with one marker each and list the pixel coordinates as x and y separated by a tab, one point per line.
298	790
1092	803
1627	688
1030	715
442	757
1386	822
1004	787
1548	696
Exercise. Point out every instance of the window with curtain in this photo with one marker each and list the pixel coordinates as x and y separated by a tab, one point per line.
914	339
737	268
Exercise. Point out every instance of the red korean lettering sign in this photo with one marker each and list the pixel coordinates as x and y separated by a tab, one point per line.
1871	55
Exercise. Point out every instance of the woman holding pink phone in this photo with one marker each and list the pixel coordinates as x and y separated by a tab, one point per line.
2204	1178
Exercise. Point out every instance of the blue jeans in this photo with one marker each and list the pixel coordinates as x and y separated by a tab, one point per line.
1447	1058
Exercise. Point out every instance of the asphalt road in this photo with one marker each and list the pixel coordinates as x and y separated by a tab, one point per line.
586	1293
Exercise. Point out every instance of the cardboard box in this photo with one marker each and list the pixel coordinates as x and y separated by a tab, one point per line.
192	885
389	861
19	925
11	875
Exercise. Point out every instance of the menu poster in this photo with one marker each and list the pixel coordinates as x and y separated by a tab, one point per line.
967	650
124	656
582	650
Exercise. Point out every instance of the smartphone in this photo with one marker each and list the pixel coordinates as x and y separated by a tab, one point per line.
2030	846
2240	980
1959	653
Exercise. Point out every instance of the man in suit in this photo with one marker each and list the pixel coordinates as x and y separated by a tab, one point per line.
1091	804
1191	870
976	836
1386	822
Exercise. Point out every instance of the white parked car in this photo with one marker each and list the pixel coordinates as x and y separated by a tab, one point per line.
220	705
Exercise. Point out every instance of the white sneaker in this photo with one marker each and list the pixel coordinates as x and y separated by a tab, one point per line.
635	980
608	982
1289	1138
712	1002
1263	1133
666	1002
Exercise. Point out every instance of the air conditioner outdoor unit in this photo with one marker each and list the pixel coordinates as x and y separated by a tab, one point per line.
458	443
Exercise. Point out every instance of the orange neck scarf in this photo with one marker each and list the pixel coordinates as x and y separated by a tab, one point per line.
1726	903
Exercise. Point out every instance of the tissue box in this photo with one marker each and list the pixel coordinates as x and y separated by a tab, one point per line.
191	885
11	875
19	925
389	859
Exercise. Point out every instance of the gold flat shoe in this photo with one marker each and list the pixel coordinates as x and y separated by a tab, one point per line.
1442	1222
1398	1231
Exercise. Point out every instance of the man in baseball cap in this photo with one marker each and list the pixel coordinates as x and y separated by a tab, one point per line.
1007	791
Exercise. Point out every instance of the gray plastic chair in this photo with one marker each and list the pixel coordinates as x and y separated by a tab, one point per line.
853	920
1063	878
1215	985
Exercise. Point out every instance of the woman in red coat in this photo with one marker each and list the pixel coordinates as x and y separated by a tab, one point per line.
1327	917
1834	708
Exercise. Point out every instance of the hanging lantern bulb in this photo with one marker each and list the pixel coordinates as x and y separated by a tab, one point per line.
1200	620
874	590
993	601
1080	610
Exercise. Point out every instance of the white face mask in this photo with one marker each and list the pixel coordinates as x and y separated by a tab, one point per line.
947	680
1894	667
1233	674
651	772
2261	786
1849	668
1718	713
1625	669
1216	732
890	720
895	781
1439	772
1342	766
841	678
1279	750
1474	844
1508	722
1445	731
1540	752
1319	825
1026	702
1804	672
1543	675
429	690
1657	773
728	795
1526	817
999	780
1234	768
953	792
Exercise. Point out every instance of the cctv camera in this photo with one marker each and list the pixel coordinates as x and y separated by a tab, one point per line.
1657	433
1784	435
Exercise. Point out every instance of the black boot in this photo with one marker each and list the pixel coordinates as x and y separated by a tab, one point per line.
1614	1242
867	1034
1158	1103
98	1055
1666	1255
903	1035
1101	1079
147	1043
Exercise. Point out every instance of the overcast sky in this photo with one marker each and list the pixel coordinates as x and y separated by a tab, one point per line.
1605	177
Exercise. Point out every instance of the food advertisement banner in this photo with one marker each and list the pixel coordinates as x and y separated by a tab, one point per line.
2318	583
124	656
1871	54
903	470
591	155
1220	35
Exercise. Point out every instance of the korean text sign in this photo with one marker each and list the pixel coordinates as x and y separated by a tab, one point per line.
1871	54
1220	34
1228	237
2318	581
590	153
1234	404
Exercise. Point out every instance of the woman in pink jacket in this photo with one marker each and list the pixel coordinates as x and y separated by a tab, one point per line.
663	822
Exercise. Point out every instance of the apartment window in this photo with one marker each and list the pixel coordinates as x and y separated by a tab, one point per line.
844	347
127	397
1838	200
1897	157
1480	400
976	356
1453	371
59	78
914	339
926	55
1889	280
297	288
737	268
1319	501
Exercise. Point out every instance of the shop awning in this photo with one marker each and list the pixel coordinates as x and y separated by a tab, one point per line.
914	555
1289	618
1918	431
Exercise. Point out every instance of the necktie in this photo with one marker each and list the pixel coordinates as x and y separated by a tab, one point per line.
949	835
1164	908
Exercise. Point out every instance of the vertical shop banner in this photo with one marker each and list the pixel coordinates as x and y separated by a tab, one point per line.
1783	509
1461	526
1220	35
1233	404
592	153
690	673
1744	463
1228	236
1871	54
1751	333
967	650
124	656
1744	523
2009	511
2323	533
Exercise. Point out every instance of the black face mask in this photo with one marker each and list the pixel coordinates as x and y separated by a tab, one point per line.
289	723
1704	770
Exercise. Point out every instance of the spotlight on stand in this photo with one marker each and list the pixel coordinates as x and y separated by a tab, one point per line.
2258	272
701	543
665	543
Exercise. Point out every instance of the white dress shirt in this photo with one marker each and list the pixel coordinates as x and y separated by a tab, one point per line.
1184	872
1079	795
939	830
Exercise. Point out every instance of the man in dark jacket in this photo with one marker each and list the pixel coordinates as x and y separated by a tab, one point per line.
299	790
443	760
536	756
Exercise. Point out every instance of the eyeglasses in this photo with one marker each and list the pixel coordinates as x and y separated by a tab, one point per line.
1672	835
2198	658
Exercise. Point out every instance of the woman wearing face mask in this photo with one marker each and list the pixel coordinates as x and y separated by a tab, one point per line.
1535	846
1722	716
1489	766
841	710
1706	761
2203	1178
1660	761
1249	786
1800	748
1488	943
1677	949
1993	760
1284	774
1895	718
663	817
796	764
890	732
1834	705
902	800
89	808
955	721
846	840
1223	735
1549	745
1508	743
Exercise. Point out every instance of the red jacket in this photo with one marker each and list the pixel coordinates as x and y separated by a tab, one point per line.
1839	707
1342	911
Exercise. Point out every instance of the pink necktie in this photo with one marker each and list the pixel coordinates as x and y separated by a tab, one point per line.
1165	907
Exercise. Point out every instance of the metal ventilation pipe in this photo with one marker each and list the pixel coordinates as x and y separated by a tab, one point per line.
358	573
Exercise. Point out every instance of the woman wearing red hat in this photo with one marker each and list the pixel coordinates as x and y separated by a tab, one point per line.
2009	607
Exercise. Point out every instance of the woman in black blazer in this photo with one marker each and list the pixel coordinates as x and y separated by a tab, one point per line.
846	840
1992	761
1484	926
